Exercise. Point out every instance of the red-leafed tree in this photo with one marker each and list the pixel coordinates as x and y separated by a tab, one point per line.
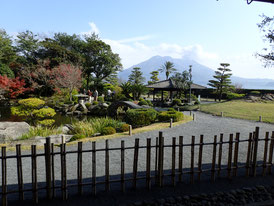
13	87
67	76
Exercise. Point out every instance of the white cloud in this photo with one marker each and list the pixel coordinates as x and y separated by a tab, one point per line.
135	39
93	29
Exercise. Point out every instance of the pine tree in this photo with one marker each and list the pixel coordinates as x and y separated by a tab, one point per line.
222	80
154	77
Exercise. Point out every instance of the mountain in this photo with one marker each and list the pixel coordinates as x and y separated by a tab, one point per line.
200	73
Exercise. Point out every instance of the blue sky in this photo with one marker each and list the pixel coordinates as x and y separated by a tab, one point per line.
208	31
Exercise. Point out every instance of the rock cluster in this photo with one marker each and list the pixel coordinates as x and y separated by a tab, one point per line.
12	130
244	196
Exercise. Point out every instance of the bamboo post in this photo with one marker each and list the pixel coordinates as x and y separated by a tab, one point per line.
160	159
248	155
236	152
254	163
94	168
270	154
135	162
148	160
34	173
220	154
80	168
213	159
265	152
229	156
63	172
200	156
130	130
4	177
180	158
192	160
123	166
170	123
48	168
107	186
173	161
19	172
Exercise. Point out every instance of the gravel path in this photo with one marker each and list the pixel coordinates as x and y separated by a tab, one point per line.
205	124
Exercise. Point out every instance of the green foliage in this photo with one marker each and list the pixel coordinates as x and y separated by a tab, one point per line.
255	92
171	110
46	122
82	128
6	71
7	51
231	95
149	103
108	131
136	76
124	128
101	99
193	97
31	103
88	104
176	102
142	102
140	117
44	113
41	131
167	68
77	137
95	103
181	82
154	77
167	115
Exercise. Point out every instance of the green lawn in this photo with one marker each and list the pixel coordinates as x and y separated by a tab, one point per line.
242	110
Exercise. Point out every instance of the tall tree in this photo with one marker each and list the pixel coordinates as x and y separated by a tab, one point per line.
266	26
154	77
181	81
167	68
136	76
222	80
7	51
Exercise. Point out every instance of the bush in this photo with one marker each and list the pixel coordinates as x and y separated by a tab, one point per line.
171	110
149	103
255	92
101	99
108	131
46	122
193	98
176	102
41	131
167	115
95	103
231	95
142	102
77	137
124	128
88	104
140	117
31	103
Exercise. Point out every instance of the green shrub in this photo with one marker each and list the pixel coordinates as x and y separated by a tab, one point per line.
231	95
124	127
44	113
149	103
101	99
108	131
142	102
167	115
176	102
41	131
82	128
31	103
95	103
88	104
77	137
140	117
46	122
6	71
193	98
255	92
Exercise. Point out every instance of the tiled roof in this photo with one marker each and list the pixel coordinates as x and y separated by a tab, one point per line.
169	84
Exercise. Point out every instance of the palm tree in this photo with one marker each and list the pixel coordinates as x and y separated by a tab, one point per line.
168	68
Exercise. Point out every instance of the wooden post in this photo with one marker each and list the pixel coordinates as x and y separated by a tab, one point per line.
260	118
270	154
190	113
135	162
161	159
48	168
251	152
222	114
63	172
229	156
213	159
193	117
4	177
180	158
94	168
265	152
173	161
254	162
170	123
123	166
52	169
107	187
19	172
200	156
63	139
156	160
80	168
34	173
192	160
248	155
236	152
220	154
130	130
148	158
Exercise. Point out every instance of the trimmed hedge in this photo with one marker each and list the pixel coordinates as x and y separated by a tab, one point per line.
171	114
108	131
231	95
124	127
141	117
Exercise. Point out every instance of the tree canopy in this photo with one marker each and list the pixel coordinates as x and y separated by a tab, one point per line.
167	68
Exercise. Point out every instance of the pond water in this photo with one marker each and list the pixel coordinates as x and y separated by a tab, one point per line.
5	115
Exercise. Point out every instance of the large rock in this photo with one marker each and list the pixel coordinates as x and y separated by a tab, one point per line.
12	130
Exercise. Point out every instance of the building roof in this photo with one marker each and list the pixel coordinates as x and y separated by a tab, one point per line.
169	84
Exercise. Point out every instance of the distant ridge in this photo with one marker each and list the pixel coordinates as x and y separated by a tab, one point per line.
200	73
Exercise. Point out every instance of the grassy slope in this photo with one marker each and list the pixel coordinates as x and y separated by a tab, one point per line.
242	110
